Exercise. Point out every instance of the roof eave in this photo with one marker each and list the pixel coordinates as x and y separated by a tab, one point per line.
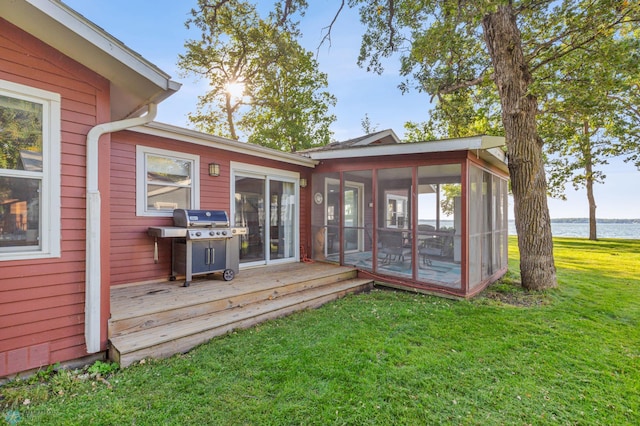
135	81
192	136
459	144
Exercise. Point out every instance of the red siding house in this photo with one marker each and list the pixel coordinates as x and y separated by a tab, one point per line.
85	172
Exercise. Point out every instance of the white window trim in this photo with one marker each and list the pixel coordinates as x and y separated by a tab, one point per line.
50	216
141	179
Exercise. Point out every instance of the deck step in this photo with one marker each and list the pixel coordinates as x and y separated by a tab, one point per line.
154	306
180	336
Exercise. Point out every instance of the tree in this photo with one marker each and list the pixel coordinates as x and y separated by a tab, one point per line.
280	100
469	112
419	132
454	45
290	108
586	115
451	45
367	127
20	130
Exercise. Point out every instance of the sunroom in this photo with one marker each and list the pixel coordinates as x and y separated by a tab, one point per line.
427	216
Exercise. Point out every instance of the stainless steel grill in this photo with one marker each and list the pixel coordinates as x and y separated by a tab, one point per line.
201	243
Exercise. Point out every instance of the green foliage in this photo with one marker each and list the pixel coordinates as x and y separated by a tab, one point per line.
103	368
50	383
587	116
449	193
20	130
367	126
419	132
565	356
283	102
469	112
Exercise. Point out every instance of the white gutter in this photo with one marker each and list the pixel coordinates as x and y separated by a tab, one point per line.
93	255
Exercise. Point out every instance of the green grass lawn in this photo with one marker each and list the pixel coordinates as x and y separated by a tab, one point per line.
568	356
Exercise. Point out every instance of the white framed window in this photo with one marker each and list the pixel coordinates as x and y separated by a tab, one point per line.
396	211
166	180
29	172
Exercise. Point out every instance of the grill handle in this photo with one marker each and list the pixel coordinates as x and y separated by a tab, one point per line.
155	250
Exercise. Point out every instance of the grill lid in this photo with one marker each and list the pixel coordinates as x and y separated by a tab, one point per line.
200	218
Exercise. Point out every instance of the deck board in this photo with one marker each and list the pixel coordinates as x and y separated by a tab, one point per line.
139	300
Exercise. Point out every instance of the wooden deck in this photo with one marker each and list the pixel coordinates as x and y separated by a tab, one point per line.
161	319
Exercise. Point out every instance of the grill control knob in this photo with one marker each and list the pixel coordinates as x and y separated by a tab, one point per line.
211	233
198	233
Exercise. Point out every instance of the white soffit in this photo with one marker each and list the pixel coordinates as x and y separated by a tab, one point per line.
460	144
192	136
134	81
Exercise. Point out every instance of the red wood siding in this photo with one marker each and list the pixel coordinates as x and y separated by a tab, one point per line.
42	301
131	247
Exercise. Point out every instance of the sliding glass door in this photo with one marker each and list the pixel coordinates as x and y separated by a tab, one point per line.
282	232
250	213
267	206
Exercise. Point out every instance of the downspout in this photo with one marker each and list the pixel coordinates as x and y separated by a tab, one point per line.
93	255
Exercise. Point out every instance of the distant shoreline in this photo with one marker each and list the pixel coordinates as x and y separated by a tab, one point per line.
586	220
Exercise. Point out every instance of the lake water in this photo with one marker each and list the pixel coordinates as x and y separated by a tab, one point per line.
576	230
581	230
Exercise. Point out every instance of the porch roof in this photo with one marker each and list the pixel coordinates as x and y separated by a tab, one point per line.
135	82
487	147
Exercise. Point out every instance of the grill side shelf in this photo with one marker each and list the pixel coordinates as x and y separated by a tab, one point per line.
167	232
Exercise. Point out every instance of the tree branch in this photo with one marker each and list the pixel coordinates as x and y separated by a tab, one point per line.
632	107
445	90
215	7
572	47
327	36
392	10
286	10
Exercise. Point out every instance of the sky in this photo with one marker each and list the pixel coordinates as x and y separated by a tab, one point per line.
156	30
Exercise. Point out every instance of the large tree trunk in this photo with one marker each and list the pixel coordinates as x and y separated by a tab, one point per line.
593	232
229	110
588	168
524	149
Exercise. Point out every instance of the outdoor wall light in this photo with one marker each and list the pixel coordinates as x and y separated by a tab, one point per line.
303	182
214	169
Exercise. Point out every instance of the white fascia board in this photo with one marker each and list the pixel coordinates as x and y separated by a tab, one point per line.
99	38
461	144
378	136
498	153
198	138
492	142
497	157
